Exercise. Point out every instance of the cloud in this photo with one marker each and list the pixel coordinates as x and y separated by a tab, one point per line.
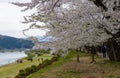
10	20
14	0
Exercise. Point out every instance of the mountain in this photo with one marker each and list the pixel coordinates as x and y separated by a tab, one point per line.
42	38
7	42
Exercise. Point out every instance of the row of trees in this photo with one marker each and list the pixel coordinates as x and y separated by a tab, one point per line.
73	24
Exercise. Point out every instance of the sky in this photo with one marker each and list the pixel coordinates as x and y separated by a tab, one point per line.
11	18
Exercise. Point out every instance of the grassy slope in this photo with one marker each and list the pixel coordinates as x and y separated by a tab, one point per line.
67	67
60	62
12	69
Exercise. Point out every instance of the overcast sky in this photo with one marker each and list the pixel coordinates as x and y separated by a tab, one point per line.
10	20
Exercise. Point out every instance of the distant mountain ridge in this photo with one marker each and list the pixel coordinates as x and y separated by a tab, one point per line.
7	42
42	38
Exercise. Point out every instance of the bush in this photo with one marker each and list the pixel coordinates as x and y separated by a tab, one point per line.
24	73
21	74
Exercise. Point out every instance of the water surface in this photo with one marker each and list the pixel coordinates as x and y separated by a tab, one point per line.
9	57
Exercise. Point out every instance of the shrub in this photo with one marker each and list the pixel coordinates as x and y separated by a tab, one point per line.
24	73
21	74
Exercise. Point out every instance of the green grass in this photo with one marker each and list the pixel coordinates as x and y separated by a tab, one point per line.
12	70
61	61
111	68
67	67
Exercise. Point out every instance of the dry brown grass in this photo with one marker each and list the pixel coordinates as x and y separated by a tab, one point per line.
84	69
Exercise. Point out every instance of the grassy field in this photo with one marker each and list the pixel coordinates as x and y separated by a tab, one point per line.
11	70
60	62
67	67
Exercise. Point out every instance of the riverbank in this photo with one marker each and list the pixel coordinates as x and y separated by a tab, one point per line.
11	70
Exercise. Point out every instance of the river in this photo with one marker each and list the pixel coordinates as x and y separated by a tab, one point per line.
9	57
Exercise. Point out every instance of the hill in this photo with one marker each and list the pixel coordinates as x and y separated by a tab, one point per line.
7	42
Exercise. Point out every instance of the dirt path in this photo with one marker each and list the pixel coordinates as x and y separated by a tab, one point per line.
84	69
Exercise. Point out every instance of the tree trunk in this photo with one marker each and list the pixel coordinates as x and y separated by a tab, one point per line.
113	50
77	57
93	52
93	58
78	60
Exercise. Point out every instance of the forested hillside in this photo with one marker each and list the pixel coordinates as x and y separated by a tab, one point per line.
7	42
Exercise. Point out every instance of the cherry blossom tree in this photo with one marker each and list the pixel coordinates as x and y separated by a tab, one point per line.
77	23
111	13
